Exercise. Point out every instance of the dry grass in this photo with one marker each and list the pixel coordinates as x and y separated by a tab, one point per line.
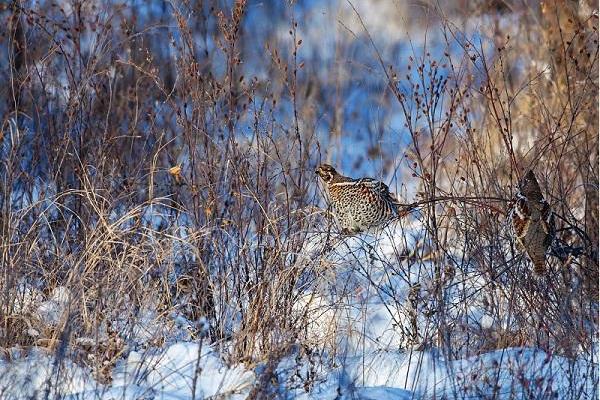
145	167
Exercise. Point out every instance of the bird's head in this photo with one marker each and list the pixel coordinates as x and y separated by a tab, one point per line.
529	185
326	172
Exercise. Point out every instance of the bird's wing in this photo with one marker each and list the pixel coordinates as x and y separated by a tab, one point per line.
548	223
521	217
547	217
375	185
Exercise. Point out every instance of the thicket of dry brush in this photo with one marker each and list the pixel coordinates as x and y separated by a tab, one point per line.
145	165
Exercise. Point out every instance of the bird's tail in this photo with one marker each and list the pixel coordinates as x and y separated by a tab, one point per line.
537	255
404	209
539	266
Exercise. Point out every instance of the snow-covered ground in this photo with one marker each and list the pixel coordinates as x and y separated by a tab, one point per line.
369	323
178	371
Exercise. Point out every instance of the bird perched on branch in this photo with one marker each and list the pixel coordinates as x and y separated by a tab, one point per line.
359	204
532	221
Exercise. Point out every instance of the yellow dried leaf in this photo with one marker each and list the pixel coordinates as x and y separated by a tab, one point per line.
175	171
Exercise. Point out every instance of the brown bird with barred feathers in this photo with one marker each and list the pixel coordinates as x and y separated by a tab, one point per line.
533	222
358	204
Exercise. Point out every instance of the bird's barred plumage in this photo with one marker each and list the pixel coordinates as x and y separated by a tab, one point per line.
533	222
358	204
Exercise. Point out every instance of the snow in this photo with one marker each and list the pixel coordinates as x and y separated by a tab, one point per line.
39	376
172	373
169	374
359	316
55	308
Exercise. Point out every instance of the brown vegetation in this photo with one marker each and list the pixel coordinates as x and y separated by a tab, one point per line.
162	160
